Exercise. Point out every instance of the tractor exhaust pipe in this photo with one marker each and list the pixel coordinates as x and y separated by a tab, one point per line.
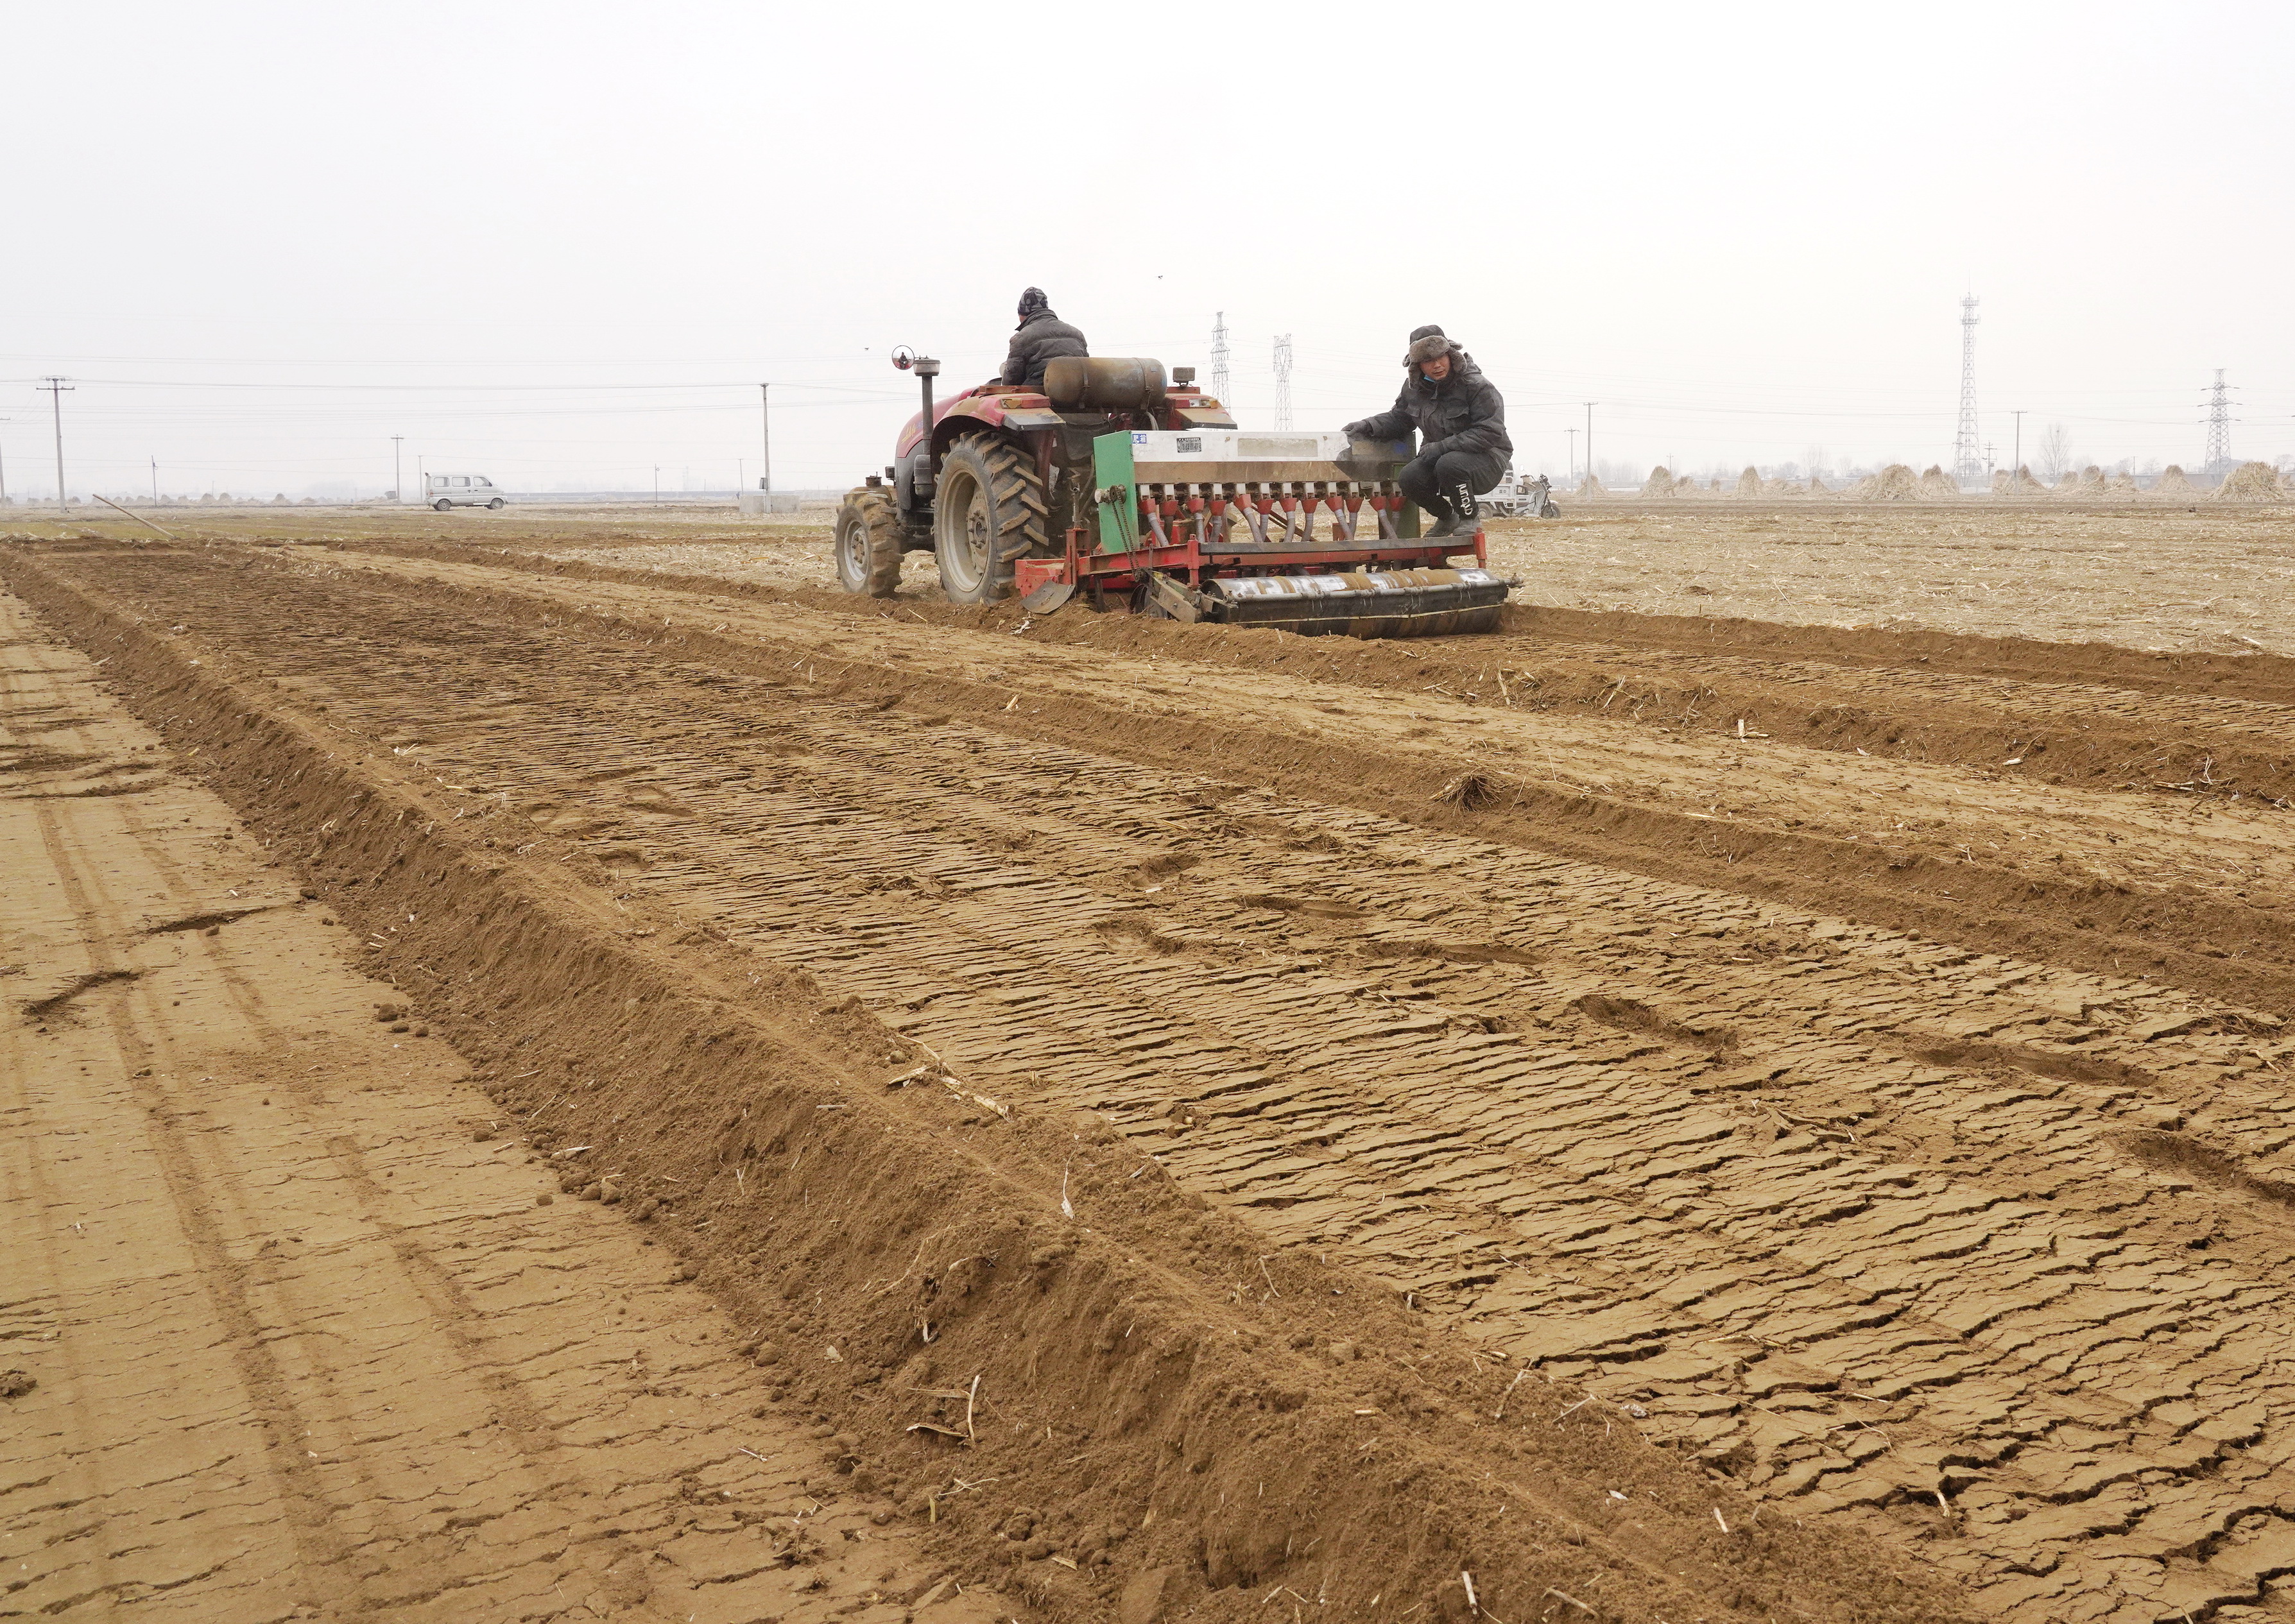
926	369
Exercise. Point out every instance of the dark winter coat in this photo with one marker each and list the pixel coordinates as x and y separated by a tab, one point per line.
1464	413
1043	336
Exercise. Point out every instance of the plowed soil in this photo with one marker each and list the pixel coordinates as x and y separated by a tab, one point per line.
2209	578
1636	1116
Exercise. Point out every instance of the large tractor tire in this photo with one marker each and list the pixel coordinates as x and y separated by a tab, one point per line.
988	513
868	543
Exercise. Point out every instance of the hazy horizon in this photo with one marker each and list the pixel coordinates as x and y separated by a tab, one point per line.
563	245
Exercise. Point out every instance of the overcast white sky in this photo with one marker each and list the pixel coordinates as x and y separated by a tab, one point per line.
564	240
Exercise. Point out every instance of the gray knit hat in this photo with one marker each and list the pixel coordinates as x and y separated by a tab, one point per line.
1426	344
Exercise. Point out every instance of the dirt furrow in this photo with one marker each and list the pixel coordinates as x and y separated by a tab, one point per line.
1975	1254
1580	1198
2104	881
302	1344
896	1242
2263	677
2104	717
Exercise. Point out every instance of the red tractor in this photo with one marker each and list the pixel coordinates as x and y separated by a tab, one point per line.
1143	494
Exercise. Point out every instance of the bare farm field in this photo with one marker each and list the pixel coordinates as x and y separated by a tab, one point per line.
557	1068
2210	577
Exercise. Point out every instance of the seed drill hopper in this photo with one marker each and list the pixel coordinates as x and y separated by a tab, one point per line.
1142	495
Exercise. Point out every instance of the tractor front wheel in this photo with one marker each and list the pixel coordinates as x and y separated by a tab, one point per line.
868	543
988	513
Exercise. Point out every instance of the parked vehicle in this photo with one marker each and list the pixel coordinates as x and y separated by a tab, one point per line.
445	491
1521	496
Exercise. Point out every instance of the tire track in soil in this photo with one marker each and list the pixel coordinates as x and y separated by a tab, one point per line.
2267	677
254	1302
2103	881
1873	1224
2216	727
1521	1508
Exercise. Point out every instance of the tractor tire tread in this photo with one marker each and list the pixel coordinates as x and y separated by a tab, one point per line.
1017	496
874	566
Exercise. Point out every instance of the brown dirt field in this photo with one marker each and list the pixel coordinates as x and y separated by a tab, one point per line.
2151	577
2160	576
1802	1133
304	1343
2208	581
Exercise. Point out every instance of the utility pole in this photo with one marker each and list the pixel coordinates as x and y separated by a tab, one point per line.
1590	436
397	467
4	473
155	482
57	389
1219	360
766	411
2016	479
1283	380
1965	469
1573	433
657	485
1988	462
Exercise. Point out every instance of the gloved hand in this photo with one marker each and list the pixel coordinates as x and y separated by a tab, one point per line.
1434	448
1360	429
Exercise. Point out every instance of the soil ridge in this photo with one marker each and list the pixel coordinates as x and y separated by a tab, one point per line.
1179	1415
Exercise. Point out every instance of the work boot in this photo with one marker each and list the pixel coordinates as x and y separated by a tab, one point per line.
1448	525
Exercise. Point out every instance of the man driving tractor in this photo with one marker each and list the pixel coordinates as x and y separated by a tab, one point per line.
1041	337
1460	417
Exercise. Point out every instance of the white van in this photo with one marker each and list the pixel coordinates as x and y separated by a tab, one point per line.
462	491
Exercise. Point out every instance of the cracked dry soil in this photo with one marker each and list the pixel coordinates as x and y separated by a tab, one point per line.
1804	1170
303	1340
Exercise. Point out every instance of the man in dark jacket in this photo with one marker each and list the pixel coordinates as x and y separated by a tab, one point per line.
1040	337
1463	448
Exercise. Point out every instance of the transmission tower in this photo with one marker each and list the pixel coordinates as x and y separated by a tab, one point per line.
1219	359
1283	380
1967	450
2218	403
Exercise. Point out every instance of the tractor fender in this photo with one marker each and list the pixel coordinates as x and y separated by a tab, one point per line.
958	414
970	413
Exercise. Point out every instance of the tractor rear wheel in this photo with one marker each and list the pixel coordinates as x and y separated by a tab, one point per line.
868	543
988	513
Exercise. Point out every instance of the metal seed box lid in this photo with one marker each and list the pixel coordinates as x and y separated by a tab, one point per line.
1163	456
